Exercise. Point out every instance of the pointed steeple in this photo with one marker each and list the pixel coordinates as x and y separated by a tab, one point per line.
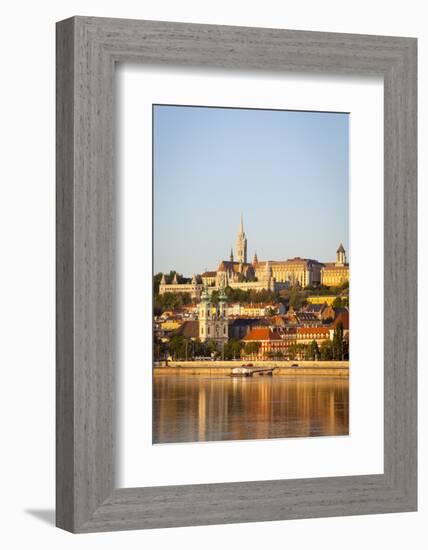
255	259
241	243
231	254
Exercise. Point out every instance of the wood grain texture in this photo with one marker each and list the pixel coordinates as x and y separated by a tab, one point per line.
87	49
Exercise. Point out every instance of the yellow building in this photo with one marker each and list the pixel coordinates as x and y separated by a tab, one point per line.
170	324
337	273
321	299
300	271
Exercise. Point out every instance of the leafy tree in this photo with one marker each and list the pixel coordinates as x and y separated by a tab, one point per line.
170	300
345	301
252	348
177	347
250	296
297	351
275	354
314	351
156	282
232	349
159	349
211	348
326	351
337	302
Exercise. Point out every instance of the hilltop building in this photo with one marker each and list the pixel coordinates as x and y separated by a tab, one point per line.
336	273
297	271
194	288
272	275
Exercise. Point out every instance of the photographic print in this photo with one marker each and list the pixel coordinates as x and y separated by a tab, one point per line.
250	274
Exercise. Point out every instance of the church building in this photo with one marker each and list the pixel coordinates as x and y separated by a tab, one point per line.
213	323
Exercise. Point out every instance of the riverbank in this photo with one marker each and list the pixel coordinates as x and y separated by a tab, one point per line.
282	368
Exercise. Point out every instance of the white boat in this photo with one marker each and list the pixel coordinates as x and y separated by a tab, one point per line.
241	371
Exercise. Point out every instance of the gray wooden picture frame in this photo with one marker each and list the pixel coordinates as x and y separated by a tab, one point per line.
87	50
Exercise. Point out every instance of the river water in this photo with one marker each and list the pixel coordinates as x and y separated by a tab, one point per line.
200	408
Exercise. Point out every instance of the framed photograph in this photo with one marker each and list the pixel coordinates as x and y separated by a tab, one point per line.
236	274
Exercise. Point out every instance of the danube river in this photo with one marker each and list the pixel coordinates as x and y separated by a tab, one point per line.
200	408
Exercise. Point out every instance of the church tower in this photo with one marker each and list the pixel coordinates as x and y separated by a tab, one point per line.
213	323
241	244
205	317
340	256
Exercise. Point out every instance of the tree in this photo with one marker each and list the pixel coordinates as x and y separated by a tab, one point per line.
337	302
314	351
252	348
211	348
156	282
159	349
338	342
177	347
326	350
170	300
232	349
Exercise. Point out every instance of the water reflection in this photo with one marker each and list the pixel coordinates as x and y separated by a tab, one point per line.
196	408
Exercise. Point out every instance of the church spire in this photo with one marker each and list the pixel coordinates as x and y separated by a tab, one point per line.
241	243
231	254
255	259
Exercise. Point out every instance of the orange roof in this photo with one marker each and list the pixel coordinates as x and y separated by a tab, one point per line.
261	333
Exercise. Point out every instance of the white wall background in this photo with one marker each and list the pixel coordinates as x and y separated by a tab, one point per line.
27	271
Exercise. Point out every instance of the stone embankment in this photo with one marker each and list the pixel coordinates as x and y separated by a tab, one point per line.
294	368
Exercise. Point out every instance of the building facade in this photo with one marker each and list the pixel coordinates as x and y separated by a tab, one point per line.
297	271
270	343
336	273
193	288
213	322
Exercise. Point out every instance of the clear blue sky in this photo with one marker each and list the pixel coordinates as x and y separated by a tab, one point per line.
286	171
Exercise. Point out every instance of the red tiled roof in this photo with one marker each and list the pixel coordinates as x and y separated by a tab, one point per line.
261	333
